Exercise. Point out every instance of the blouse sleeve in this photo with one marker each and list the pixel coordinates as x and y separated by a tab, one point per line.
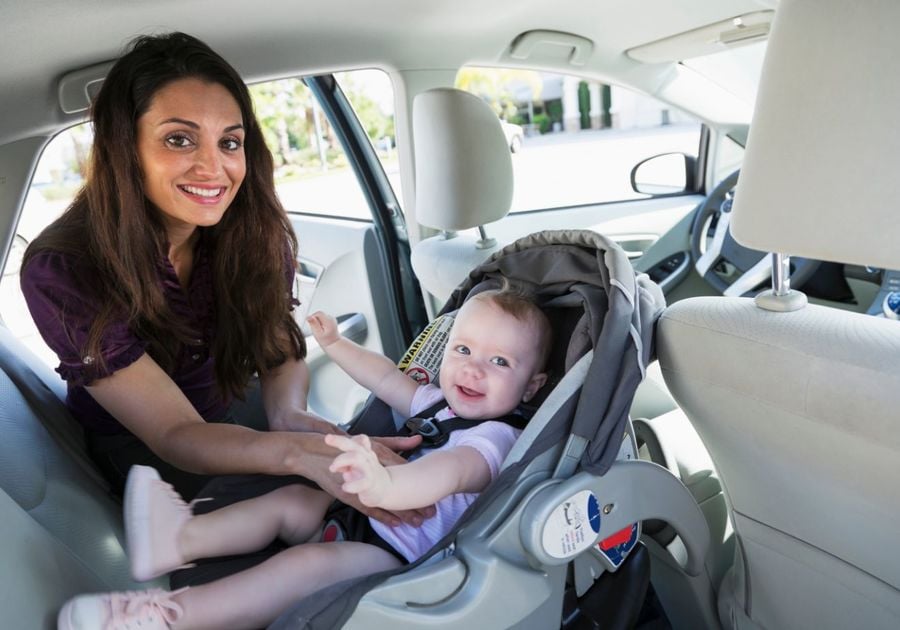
63	313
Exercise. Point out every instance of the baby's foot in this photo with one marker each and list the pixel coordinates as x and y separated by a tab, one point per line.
154	517
147	610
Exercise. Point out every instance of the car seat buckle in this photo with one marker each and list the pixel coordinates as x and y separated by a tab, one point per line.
429	430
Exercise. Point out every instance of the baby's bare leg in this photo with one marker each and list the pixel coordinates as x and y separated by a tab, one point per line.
255	597
292	513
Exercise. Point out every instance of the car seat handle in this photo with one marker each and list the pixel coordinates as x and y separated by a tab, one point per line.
563	518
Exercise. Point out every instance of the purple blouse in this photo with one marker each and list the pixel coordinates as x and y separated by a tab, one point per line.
63	309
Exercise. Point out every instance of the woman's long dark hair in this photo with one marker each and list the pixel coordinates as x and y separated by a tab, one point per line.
113	225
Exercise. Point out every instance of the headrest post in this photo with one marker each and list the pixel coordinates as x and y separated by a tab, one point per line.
781	274
781	298
485	242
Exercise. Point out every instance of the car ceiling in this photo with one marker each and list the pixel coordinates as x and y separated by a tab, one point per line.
42	41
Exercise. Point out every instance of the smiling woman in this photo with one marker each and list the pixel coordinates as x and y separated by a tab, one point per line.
158	326
190	147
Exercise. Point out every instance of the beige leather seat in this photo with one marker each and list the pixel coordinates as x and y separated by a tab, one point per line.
798	404
464	180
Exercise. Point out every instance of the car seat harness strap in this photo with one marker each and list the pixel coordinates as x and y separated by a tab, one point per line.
436	432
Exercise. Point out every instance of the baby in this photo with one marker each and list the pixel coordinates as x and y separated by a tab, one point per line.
494	360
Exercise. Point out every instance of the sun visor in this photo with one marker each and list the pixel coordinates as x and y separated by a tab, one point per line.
706	40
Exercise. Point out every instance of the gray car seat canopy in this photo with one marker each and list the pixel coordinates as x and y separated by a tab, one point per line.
603	315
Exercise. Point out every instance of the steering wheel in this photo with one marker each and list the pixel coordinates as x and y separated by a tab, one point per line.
712	245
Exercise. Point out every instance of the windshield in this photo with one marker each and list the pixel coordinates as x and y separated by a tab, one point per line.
718	87
736	69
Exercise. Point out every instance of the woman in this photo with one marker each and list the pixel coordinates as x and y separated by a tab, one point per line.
167	283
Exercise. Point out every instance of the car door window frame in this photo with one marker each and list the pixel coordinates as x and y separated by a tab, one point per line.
408	315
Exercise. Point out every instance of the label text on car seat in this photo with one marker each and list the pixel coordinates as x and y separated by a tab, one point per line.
572	526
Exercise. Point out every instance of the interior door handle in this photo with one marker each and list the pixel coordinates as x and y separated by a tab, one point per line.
634	244
353	326
308	271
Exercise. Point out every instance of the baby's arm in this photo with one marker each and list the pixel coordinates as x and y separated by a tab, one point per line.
373	371
407	486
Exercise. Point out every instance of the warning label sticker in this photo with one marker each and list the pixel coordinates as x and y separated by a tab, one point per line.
573	526
422	361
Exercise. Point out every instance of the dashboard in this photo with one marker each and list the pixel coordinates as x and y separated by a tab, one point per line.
887	301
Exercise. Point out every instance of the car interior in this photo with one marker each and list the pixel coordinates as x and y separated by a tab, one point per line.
752	186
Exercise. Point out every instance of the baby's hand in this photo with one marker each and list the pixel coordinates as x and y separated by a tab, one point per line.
363	474
324	328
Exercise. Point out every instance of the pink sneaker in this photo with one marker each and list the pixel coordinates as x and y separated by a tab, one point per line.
154	516
147	610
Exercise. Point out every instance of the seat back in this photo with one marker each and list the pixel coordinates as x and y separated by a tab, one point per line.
62	532
464	180
799	408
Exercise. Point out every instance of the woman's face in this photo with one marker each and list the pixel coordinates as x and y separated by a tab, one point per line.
190	145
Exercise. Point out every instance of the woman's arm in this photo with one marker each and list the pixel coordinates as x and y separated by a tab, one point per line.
411	485
149	404
284	396
373	371
284	392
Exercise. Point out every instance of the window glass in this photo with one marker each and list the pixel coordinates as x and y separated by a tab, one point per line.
737	69
372	96
312	171
574	142
58	176
729	156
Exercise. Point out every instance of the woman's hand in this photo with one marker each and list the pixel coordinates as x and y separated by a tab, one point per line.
324	328
387	449
314	456
308	422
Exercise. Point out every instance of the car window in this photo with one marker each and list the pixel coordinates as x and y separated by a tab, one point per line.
728	157
312	171
372	96
574	141
57	177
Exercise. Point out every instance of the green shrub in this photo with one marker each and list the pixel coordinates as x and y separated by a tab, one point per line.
543	122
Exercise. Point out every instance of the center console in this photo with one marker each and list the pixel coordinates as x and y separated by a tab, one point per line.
887	302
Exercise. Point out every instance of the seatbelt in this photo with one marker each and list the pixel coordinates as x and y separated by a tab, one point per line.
436	432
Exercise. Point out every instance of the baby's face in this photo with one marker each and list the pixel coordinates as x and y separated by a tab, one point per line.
490	362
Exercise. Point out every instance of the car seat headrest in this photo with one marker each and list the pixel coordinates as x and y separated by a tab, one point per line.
464	175
817	178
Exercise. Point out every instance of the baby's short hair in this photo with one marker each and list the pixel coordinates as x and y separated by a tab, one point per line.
522	306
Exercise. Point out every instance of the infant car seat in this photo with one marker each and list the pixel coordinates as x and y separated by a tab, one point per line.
568	502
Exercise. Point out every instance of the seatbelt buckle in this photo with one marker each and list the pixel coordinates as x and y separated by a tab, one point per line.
429	430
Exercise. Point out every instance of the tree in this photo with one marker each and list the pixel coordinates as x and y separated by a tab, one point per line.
281	108
502	88
377	123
